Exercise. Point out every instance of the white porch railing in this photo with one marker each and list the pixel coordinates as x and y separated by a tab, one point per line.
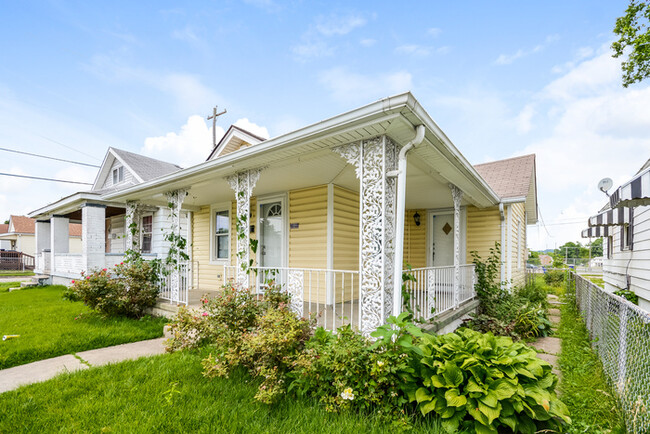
167	292
69	263
433	291
330	295
43	262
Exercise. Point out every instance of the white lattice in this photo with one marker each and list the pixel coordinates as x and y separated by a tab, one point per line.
132	216
243	183
175	200
373	158
296	289
457	196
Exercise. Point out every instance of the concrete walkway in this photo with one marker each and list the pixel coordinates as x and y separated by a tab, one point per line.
549	347
35	372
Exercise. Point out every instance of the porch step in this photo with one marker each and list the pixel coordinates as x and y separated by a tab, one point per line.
38	280
164	308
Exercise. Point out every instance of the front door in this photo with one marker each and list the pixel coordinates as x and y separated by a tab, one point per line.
271	234
442	240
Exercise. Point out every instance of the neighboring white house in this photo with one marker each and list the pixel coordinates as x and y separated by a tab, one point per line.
4	244
20	236
104	229
625	225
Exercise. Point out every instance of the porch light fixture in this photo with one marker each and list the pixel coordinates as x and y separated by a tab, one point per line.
416	218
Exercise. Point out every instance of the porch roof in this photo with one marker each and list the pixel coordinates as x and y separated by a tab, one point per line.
303	158
70	206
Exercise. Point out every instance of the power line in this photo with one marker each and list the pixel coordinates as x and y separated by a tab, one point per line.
69	147
49	158
44	179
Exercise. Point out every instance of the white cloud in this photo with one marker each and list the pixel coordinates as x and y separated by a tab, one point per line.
507	59
338	24
413	49
434	31
253	128
310	49
193	143
188	147
368	42
523	121
348	86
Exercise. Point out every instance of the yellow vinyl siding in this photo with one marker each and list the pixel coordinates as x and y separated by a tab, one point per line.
415	239
483	230
346	242
206	276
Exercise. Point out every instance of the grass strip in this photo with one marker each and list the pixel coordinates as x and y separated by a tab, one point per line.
4	286
169	394
50	326
592	403
4	273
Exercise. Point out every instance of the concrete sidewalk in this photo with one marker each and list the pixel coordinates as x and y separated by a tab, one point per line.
35	372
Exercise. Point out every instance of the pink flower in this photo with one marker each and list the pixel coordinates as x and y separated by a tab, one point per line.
87	277
72	281
104	269
205	314
121	263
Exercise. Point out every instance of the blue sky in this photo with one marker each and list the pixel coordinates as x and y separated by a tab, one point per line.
500	78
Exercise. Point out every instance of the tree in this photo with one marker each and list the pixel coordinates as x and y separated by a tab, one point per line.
634	41
596	248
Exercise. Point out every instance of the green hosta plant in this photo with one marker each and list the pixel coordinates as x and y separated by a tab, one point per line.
486	384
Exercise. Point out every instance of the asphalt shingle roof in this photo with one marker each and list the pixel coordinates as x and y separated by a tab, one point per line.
4	228
510	177
147	168
25	225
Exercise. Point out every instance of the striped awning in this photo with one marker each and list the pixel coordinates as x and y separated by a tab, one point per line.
634	193
611	217
596	232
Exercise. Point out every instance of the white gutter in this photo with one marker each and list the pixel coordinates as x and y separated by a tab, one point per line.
399	218
503	242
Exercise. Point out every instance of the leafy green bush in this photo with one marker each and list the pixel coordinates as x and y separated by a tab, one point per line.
554	277
485	383
128	290
267	351
628	295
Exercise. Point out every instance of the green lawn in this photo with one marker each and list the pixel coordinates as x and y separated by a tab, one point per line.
585	391
50	326
4	286
16	273
169	394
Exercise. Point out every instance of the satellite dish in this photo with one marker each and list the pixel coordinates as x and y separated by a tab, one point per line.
605	184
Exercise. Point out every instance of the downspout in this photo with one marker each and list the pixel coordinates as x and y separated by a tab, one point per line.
503	242
399	219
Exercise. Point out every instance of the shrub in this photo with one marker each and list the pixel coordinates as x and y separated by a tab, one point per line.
129	290
485	383
554	277
190	329
267	351
345	372
628	295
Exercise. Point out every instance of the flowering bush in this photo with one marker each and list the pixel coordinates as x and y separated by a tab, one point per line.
128	290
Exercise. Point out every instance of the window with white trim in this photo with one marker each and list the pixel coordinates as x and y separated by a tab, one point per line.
221	234
118	175
146	234
625	240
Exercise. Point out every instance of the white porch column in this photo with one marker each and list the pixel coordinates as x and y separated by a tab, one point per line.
93	236
175	200
456	195
373	158
42	235
243	183
59	238
131	225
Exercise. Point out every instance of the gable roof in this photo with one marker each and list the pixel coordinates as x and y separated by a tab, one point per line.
21	224
509	178
4	228
142	168
238	136
513	178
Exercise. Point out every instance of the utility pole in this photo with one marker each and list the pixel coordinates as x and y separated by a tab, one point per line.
214	117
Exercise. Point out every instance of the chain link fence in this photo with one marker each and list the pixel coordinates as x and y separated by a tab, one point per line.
620	331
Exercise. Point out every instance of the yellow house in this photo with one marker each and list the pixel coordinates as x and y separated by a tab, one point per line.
338	208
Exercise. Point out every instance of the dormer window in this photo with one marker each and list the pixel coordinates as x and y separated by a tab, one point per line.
118	175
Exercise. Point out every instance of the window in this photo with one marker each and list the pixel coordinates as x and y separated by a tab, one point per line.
625	237
610	247
221	242
147	232
118	175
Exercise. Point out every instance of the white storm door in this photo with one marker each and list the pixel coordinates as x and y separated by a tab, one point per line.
271	234
441	249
